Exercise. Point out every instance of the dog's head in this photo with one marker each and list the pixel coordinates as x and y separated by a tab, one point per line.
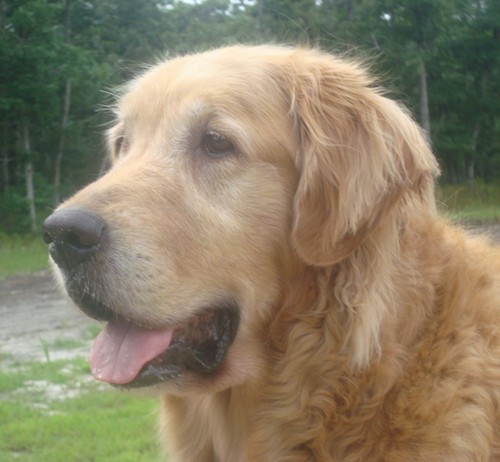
229	169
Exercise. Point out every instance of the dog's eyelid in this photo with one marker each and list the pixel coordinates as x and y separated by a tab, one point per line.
217	145
120	144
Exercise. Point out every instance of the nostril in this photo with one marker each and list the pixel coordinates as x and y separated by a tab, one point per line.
83	239
47	238
73	235
76	241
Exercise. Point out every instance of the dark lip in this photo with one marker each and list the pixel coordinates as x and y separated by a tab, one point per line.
92	308
199	343
90	305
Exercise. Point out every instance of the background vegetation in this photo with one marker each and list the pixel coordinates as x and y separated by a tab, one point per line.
58	57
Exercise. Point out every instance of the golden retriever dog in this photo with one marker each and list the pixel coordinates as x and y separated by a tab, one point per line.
266	253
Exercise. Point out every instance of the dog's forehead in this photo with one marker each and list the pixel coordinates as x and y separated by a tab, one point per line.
242	76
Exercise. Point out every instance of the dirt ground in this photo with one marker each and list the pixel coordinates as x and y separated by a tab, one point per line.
34	315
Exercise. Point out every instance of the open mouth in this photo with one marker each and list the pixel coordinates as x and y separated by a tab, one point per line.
130	356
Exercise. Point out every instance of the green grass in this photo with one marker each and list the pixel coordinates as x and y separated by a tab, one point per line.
54	412
473	202
22	254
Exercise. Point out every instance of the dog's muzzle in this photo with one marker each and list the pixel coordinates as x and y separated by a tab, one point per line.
131	353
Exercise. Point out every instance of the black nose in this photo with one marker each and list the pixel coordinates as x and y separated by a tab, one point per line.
73	235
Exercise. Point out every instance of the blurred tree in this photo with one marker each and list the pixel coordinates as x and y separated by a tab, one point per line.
467	76
58	57
28	55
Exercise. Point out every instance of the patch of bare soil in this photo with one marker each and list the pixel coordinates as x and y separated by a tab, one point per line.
34	314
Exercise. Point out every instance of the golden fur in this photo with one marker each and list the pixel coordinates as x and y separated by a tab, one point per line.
370	328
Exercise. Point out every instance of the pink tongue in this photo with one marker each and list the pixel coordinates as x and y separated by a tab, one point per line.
121	350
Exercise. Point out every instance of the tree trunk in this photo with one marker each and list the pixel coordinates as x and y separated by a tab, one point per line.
5	161
470	166
260	12
452	174
30	194
62	139
470	169
350	10
29	175
65	113
424	101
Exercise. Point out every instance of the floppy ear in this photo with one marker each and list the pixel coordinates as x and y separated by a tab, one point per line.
359	154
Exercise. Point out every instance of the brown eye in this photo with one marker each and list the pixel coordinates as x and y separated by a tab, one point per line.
216	145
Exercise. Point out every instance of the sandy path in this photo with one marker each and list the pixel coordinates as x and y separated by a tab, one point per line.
34	314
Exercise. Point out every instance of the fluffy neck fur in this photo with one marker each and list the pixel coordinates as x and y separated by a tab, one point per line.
341	313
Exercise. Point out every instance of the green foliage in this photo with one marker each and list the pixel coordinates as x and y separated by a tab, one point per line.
14	211
98	44
22	254
474	201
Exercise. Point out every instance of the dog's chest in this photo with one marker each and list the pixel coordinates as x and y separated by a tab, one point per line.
228	427
205	428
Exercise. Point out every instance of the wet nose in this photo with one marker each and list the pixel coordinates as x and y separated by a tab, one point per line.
74	235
